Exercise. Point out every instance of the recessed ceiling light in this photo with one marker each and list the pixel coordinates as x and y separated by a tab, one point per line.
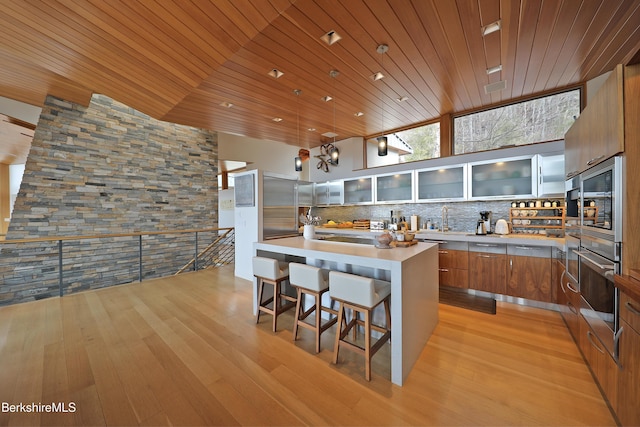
277	119
495	87
402	98
327	98
494	69
359	114
311	129
331	37
330	134
275	73
226	104
377	76
492	28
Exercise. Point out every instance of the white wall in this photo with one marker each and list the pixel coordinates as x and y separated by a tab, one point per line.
20	110
261	154
247	223
350	164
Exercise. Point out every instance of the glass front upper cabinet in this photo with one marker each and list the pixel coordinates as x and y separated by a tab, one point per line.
551	175
441	184
358	191
394	188
503	179
328	193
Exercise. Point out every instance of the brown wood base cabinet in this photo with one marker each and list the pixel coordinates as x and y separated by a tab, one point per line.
602	365
488	267
628	405
454	265
529	272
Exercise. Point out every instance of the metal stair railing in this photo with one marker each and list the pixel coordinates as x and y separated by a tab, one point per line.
219	252
43	267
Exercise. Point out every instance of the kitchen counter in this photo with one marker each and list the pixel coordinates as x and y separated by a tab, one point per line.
412	271
457	236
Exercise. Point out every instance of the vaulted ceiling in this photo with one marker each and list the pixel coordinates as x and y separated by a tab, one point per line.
185	61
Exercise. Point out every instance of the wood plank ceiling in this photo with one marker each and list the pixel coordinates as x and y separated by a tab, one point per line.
182	60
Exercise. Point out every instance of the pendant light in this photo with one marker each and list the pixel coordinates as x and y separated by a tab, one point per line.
382	140
334	153
298	159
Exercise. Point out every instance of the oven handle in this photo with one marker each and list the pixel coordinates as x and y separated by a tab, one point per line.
583	255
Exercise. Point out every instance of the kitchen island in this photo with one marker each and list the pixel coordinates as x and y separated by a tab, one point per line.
412	271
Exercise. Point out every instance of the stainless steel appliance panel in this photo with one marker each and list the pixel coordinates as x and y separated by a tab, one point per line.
279	211
572	264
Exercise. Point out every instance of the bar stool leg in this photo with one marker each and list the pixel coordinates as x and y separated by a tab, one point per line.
276	304
367	344
318	321
299	309
260	289
338	332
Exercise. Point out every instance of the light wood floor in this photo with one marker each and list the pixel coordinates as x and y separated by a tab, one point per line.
186	351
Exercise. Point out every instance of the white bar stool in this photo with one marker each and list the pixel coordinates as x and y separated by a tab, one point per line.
272	272
310	280
361	295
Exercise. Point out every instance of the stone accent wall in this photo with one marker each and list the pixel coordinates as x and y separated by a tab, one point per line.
100	170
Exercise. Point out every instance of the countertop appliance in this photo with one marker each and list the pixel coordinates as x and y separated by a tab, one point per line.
376	225
502	227
484	223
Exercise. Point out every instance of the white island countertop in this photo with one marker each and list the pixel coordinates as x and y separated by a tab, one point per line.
412	271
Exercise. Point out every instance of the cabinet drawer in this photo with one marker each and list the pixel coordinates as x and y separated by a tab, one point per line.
453	259
454	246
532	251
489	248
630	311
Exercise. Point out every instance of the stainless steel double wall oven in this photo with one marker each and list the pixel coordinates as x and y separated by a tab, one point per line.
594	245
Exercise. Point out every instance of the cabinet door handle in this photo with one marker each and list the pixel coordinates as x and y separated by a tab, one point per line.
486	256
444	270
573	173
443	252
511	265
595	159
561	282
486	245
631	308
571	288
540	174
589	336
527	248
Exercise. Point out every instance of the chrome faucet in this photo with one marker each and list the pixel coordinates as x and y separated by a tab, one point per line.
445	219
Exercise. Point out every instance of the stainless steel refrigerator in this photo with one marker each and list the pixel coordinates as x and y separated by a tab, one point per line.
283	200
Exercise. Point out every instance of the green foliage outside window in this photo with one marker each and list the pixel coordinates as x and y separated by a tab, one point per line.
425	141
538	120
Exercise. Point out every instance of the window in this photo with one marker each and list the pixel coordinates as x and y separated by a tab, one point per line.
424	140
537	120
420	143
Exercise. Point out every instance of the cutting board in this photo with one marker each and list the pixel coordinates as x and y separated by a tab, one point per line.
404	244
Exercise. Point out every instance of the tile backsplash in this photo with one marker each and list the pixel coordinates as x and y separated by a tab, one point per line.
463	216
